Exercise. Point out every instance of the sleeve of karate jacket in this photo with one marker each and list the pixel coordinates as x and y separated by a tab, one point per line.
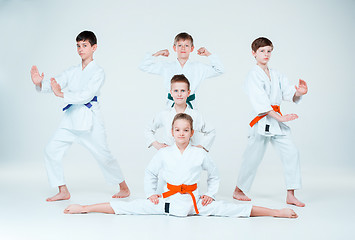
254	87
152	127
215	69
212	176
151	65
208	131
288	91
88	92
151	175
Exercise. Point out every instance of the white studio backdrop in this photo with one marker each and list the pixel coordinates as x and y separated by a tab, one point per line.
313	40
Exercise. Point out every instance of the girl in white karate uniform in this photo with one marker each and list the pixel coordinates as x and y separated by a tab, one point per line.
196	72
266	89
204	132
82	121
181	166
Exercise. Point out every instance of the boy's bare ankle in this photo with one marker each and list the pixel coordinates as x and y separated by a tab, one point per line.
238	194
123	193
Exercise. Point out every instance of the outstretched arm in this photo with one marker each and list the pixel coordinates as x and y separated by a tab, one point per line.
301	90
36	78
283	118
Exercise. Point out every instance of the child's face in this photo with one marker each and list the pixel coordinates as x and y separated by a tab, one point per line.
182	131
262	55
85	50
183	48
179	91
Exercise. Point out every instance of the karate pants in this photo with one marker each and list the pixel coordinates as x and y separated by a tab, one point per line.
254	153
146	207
94	140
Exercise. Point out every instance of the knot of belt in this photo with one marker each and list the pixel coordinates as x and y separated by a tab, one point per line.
276	108
188	100
88	105
183	189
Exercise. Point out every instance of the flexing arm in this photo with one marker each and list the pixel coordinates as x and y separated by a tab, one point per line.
151	65
164	53
203	52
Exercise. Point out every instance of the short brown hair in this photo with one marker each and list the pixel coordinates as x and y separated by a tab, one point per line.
261	42
183	116
180	78
184	36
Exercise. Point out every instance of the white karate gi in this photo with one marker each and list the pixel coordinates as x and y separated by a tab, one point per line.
195	72
80	123
204	134
176	168
263	93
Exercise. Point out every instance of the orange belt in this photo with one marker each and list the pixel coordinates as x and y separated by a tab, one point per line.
183	189
276	108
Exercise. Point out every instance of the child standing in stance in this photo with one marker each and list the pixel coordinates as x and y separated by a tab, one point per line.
82	121
266	89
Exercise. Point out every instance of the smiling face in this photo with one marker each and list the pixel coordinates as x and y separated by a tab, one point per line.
183	48
262	55
182	131
179	91
85	50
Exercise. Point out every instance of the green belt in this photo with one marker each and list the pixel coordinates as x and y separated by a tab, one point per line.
188	100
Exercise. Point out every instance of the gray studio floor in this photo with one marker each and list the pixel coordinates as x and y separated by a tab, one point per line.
328	193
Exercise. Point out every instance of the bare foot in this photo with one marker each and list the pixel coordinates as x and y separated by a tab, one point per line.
291	199
62	195
122	194
239	195
286	213
74	209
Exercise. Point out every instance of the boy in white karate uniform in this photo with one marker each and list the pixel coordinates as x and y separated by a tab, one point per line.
266	89
180	90
82	121
181	166
196	72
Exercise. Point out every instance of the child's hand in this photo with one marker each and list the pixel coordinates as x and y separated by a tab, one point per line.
56	88
159	145
155	198
206	200
288	117
36	78
164	53
302	88
199	146
203	52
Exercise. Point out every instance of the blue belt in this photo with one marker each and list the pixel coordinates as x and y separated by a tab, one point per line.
188	100
88	105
